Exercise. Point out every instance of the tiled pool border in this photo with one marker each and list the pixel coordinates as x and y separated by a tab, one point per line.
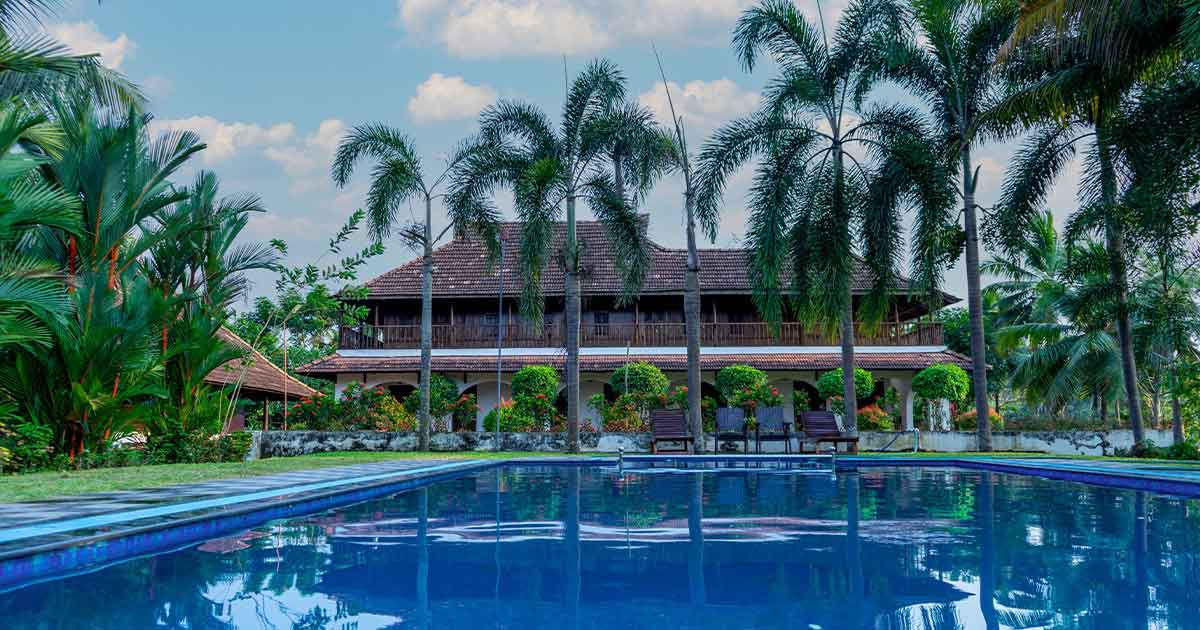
40	561
91	552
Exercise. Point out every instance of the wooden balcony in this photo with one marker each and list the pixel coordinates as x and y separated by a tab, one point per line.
367	337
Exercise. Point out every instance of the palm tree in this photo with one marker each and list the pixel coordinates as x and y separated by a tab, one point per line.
810	192
549	170
199	270
397	178
107	354
1068	100
1073	353
682	161
35	68
947	59
32	291
1031	283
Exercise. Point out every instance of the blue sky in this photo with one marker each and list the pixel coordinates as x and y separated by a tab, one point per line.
271	86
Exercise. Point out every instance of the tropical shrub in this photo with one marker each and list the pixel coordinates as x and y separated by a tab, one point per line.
678	399
443	394
738	378
830	384
510	417
942	381
644	383
873	418
621	415
755	396
800	401
534	389
969	420
26	446
320	412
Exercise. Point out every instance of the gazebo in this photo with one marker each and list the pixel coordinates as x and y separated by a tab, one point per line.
256	378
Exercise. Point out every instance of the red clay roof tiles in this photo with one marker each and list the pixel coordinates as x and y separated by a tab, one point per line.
462	268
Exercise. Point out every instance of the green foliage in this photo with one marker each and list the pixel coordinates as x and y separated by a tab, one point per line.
512	420
177	445
534	390
755	396
969	420
738	378
800	401
643	383
28	447
830	384
873	418
443	395
621	415
943	381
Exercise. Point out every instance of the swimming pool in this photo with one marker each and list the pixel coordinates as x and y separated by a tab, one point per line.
522	546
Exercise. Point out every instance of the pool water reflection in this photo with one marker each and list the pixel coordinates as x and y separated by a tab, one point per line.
589	547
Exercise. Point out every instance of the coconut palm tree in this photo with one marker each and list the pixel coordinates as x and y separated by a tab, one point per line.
1031	283
1073	352
945	55
812	194
682	161
397	178
549	170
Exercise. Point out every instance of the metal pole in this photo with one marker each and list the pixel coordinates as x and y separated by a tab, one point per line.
499	343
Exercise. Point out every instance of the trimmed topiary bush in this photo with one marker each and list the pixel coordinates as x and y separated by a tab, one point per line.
534	389
830	384
641	379
942	381
734	379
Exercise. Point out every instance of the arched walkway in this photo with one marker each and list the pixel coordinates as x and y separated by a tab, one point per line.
814	399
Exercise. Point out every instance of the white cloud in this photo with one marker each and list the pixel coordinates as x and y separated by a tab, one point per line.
307	162
158	86
442	97
703	105
85	38
480	28
225	139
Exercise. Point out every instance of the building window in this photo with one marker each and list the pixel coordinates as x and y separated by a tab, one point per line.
600	323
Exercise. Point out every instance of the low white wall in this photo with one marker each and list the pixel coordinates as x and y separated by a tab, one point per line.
1052	442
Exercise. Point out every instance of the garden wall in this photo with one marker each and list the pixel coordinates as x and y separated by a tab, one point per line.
287	443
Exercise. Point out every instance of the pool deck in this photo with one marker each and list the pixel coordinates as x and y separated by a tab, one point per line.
42	537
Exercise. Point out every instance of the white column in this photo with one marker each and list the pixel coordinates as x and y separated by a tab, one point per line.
903	387
587	389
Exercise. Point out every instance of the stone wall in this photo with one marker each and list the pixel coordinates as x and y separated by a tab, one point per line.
287	443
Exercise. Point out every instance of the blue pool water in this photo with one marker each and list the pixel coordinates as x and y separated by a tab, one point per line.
591	547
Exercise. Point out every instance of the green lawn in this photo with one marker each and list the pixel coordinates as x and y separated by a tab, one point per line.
45	485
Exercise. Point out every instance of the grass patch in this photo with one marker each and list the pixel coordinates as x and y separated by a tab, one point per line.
47	485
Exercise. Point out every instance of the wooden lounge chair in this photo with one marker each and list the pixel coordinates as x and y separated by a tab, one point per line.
772	427
731	425
669	425
821	426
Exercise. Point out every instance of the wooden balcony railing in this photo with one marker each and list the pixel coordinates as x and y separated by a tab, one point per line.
367	337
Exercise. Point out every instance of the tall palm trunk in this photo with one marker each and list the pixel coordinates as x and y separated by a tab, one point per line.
571	312
975	305
691	310
426	328
849	394
1114	234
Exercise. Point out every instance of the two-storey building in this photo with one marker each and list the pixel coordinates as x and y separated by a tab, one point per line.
471	322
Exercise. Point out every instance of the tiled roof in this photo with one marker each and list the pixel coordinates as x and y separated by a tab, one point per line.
256	373
461	268
606	363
